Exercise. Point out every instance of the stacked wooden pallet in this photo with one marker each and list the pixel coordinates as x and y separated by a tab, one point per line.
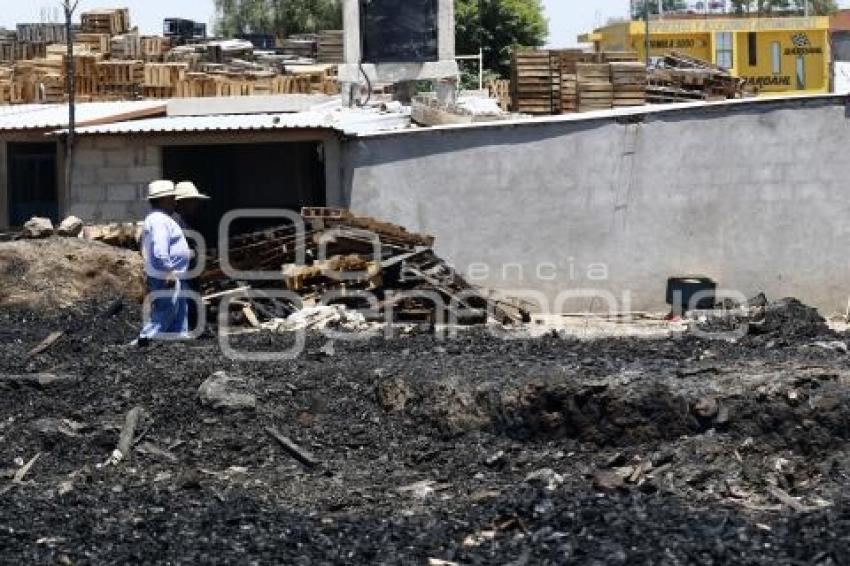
155	49
161	79
618	57
536	82
6	85
120	78
127	46
595	90
629	81
253	84
331	47
567	61
8	45
41	33
111	22
303	46
94	42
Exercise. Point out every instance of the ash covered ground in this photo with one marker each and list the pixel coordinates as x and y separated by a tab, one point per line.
472	450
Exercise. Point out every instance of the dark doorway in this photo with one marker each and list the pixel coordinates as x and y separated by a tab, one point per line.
32	181
268	175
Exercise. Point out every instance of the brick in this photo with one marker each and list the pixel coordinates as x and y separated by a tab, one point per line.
122	193
124	157
153	155
92	158
85	175
111	142
117	212
113	175
81	193
86	212
143	174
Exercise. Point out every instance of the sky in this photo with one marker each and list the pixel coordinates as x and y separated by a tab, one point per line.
567	18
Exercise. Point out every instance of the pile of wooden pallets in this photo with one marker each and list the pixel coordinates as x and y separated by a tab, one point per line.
681	78
352	259
629	80
110	22
571	80
535	82
331	48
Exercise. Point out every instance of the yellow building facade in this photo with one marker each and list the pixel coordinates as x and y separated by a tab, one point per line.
774	54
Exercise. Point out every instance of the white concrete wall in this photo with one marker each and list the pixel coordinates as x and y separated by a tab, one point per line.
755	195
110	178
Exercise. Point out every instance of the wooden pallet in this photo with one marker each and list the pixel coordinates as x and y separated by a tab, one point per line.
41	33
126	46
155	49
629	81
536	82
619	57
95	42
331	46
111	22
593	72
164	75
500	89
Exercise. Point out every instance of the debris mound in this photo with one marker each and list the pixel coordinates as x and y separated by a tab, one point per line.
787	318
378	269
63	272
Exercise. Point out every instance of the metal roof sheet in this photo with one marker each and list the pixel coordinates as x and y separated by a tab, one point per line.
52	116
346	121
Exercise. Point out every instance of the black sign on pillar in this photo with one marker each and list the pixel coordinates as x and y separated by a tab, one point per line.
399	31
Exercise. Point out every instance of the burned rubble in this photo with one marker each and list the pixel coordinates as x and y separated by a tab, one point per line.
417	448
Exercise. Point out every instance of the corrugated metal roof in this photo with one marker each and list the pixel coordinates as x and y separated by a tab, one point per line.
346	121
52	116
229	122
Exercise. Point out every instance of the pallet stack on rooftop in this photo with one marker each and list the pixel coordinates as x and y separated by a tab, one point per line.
571	80
565	81
114	62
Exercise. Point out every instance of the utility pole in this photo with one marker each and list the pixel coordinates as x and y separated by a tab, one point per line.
646	30
70	6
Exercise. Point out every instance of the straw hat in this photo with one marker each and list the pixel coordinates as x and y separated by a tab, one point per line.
187	190
161	189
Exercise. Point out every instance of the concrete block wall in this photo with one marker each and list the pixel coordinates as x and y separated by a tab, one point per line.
111	175
755	195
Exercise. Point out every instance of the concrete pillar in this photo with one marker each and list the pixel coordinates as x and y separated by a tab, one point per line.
444	71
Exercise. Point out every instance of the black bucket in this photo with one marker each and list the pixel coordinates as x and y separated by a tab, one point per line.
691	293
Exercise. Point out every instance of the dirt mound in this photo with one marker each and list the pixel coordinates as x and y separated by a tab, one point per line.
62	272
787	319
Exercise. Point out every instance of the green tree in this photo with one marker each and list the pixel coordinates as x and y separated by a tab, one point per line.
816	7
280	18
495	26
639	10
